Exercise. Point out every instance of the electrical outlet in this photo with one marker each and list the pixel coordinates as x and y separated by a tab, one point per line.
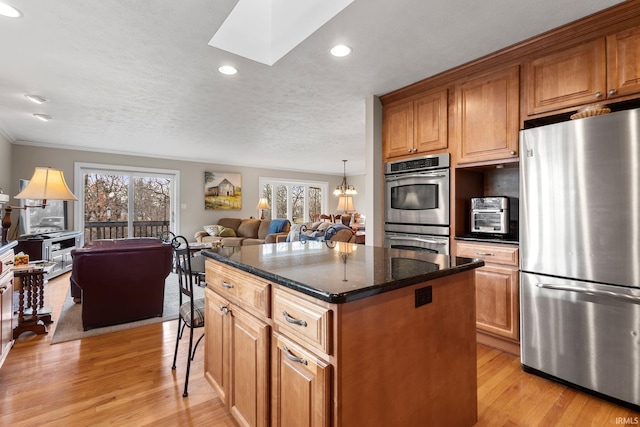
423	296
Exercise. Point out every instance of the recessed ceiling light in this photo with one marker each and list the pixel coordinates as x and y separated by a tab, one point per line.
227	69
340	50
36	98
43	117
9	11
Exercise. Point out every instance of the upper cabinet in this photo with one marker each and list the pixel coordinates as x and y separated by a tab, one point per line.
415	126
487	116
592	72
623	63
566	78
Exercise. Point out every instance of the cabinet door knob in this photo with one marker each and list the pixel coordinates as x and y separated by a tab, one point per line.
612	92
513	153
224	309
293	319
408	150
598	94
293	358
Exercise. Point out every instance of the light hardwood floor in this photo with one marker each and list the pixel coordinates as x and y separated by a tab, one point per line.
125	379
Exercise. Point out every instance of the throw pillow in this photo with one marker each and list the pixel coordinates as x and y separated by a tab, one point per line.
324	225
226	232
212	230
277	225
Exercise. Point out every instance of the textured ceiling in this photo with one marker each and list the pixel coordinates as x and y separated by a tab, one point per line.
138	77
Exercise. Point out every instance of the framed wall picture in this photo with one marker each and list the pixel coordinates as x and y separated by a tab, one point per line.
222	191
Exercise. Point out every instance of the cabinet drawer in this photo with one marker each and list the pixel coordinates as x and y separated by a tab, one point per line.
300	318
499	254
6	262
239	287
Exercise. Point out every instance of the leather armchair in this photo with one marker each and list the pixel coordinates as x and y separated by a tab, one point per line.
121	280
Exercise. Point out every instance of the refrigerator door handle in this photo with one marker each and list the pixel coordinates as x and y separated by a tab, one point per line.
595	292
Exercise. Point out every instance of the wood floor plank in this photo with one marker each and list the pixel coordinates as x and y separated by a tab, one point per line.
125	379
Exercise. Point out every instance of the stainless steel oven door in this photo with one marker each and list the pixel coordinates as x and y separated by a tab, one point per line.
418	198
417	242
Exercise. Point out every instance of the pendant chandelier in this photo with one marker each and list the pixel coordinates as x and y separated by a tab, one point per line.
344	189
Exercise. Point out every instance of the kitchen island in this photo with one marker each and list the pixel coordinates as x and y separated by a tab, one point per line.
324	334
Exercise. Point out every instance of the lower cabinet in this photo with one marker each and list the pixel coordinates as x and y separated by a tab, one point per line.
6	304
240	343
301	393
497	305
300	361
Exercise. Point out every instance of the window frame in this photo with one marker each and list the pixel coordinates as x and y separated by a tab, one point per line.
289	183
80	168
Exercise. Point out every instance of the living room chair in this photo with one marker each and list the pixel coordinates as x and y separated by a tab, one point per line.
191	312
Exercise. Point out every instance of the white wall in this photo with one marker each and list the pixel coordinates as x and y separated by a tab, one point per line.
5	163
26	158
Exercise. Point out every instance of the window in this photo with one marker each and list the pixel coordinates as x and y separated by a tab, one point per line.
118	202
296	200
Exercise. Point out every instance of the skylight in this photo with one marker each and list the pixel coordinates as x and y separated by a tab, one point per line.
266	30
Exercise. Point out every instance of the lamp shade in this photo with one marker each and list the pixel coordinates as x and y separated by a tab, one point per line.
263	203
345	204
46	184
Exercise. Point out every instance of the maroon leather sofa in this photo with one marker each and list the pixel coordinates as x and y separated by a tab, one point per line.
120	280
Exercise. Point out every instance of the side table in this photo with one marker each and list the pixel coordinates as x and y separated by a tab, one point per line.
32	315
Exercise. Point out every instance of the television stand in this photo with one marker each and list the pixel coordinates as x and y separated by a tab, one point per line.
53	247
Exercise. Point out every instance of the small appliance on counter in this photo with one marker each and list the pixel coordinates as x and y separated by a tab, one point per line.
494	215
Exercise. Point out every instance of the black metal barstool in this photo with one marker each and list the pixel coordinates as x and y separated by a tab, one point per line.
191	312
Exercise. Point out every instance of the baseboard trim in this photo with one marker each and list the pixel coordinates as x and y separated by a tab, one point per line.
508	346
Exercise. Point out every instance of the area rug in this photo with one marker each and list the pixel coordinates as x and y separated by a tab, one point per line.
69	325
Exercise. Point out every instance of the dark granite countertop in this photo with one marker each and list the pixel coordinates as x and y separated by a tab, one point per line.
342	273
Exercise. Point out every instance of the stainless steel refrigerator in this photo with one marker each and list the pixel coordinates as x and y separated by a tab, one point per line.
580	253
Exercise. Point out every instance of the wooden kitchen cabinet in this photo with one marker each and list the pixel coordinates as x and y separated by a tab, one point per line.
300	378
497	305
416	126
301	386
237	356
623	63
6	303
488	116
328	361
598	71
216	343
566	78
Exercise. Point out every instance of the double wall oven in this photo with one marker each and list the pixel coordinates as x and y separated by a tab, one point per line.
417	204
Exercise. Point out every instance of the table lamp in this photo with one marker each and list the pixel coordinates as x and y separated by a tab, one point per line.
263	204
45	184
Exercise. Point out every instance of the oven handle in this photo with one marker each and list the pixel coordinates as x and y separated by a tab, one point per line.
418	239
415	175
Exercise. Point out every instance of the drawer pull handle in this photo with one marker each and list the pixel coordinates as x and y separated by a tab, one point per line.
227	285
224	309
293	358
485	253
293	320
